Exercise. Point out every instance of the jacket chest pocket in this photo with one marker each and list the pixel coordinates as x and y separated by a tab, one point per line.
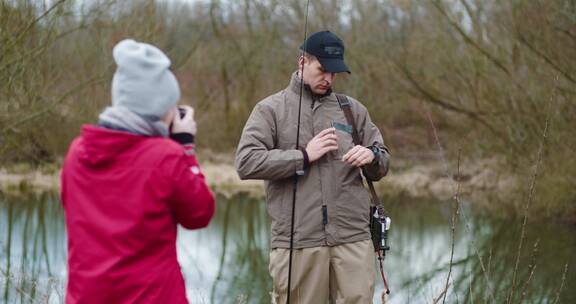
345	141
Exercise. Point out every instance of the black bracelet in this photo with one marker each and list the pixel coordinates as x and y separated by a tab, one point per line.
183	138
306	159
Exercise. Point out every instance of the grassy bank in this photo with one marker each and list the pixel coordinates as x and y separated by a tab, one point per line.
426	179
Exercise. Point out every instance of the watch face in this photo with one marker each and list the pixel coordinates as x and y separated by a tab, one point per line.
376	151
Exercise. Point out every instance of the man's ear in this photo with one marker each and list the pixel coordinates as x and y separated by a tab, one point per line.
301	61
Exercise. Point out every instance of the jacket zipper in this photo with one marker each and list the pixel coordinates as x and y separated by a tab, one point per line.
324	206
324	215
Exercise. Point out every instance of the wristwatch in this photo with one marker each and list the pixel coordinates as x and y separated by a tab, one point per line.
376	150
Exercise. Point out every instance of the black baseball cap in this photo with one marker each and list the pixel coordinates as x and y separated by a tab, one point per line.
329	49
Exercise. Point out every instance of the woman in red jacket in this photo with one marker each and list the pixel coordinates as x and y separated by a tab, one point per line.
126	184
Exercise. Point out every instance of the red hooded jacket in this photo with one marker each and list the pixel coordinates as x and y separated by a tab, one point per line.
123	195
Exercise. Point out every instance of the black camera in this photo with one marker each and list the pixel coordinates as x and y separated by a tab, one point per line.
182	112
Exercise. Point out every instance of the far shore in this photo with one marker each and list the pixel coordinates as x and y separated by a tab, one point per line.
415	179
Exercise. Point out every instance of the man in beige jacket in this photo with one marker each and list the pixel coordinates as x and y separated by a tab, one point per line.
333	257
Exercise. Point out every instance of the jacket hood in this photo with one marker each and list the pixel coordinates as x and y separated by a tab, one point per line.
99	146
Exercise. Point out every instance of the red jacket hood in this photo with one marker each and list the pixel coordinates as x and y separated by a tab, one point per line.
98	146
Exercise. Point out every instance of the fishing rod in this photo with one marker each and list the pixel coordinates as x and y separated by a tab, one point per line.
297	147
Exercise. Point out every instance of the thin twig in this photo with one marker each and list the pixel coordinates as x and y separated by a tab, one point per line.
463	214
442	294
532	267
561	284
489	262
531	193
454	220
471	295
437	140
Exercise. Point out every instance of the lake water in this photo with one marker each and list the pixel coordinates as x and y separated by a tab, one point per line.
228	261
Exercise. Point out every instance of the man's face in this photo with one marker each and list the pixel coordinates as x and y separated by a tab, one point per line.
315	76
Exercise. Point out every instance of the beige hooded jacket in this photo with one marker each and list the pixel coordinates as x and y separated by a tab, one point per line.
332	206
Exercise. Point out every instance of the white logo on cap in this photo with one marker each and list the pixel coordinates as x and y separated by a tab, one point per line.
333	50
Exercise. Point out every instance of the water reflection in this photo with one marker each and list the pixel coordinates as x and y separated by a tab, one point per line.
228	261
485	252
33	257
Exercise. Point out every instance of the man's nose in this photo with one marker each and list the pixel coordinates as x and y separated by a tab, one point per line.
329	77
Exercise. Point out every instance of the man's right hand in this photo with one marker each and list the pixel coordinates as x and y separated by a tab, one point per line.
322	143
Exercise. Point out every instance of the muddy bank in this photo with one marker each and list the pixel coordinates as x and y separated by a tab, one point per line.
422	179
430	179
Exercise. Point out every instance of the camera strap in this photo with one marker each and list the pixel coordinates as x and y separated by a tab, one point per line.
377	210
346	108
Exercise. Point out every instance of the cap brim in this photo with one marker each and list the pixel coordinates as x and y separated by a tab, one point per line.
333	65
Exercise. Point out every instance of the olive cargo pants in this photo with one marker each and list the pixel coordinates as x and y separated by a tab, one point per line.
320	275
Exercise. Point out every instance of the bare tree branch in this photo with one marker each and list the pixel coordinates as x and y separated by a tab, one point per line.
543	56
469	40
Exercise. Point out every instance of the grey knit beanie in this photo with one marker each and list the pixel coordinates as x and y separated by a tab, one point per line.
143	82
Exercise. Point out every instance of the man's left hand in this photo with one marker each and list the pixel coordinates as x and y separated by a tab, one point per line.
358	156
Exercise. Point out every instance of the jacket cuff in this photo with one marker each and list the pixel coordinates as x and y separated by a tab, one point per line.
300	158
183	138
378	168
